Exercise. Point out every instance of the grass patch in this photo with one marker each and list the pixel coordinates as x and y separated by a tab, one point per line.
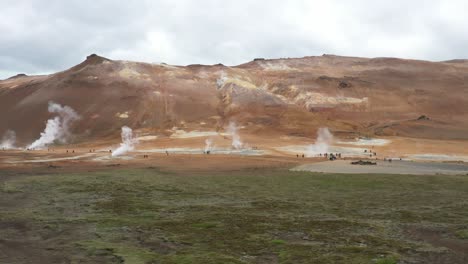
205	225
387	260
278	242
127	254
7	187
208	258
462	234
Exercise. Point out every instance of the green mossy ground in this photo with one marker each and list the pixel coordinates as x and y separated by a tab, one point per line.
248	216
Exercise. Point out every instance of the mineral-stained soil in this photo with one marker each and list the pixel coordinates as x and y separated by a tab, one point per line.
352	96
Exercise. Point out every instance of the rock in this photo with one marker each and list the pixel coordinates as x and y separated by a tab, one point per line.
95	59
344	84
18	76
423	117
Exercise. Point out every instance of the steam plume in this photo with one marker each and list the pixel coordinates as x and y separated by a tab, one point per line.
57	128
233	130
221	80
8	140
322	143
128	142
208	144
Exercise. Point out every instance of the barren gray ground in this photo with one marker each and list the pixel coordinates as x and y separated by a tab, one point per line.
385	167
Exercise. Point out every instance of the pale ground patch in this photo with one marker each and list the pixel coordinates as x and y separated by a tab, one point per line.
314	99
193	134
122	115
385	167
110	157
53	159
367	142
345	151
224	80
221	151
438	157
146	138
129	73
275	66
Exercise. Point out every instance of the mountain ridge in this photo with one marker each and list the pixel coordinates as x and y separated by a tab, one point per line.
363	96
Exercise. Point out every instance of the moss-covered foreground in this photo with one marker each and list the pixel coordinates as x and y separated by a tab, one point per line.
250	216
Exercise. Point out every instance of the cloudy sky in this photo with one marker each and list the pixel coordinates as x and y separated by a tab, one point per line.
42	36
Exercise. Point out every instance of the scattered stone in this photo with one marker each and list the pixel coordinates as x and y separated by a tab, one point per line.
344	84
423	117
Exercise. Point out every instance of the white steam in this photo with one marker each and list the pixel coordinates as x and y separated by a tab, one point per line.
233	130
208	144
8	140
322	143
57	129
221	80
128	142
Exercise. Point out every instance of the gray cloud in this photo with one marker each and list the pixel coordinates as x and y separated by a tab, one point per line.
46	36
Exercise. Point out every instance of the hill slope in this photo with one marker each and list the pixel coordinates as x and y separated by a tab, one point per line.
379	96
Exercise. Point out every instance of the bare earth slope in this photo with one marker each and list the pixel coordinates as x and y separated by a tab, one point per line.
351	96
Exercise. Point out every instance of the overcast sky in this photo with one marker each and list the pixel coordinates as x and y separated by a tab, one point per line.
42	36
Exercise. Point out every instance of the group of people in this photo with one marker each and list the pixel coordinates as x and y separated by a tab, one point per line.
331	156
372	153
390	159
